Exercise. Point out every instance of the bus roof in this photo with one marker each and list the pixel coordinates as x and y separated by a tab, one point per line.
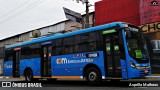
55	36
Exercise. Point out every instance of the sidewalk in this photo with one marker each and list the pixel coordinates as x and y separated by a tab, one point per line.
3	77
153	76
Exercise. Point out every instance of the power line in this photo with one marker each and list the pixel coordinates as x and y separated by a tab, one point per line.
34	4
15	9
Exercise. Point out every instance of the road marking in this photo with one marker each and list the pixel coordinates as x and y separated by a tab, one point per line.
153	76
142	87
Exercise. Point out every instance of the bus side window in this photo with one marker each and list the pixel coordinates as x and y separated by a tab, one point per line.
87	42
35	48
57	47
94	41
68	45
77	42
92	46
8	55
84	42
24	52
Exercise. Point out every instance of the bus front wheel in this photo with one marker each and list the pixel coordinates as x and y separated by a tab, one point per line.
29	75
93	76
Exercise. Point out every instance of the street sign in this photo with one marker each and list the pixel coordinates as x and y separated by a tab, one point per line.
72	15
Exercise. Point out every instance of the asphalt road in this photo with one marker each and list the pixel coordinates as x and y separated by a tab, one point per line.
82	85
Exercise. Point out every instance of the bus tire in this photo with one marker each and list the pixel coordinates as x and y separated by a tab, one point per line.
29	75
93	76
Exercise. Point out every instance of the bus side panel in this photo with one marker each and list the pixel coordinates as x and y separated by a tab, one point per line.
124	69
7	68
100	63
33	63
56	68
73	64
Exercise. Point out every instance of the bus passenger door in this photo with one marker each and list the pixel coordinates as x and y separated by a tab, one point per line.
46	61
16	63
112	55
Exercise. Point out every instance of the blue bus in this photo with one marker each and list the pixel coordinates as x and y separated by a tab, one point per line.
114	51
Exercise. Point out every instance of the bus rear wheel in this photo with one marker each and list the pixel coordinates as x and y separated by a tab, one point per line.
93	76
29	75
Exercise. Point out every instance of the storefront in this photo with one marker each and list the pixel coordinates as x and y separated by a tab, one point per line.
152	31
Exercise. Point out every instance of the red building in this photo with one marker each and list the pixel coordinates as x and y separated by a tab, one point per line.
107	11
143	13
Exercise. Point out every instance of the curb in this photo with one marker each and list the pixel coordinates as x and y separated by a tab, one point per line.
153	76
3	77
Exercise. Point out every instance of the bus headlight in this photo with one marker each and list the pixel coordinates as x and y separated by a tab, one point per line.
132	64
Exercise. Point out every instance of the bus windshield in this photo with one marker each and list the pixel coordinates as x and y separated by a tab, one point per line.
136	43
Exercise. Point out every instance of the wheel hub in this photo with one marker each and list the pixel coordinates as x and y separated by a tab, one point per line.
92	76
28	77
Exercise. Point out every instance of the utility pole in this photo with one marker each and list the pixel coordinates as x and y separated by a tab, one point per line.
87	11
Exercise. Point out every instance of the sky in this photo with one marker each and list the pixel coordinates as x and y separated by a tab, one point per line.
18	16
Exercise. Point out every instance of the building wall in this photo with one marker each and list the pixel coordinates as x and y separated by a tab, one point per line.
24	37
1	69
50	29
108	11
72	25
149	13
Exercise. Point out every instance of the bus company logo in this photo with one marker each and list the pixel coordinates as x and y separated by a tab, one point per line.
154	3
61	61
66	61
